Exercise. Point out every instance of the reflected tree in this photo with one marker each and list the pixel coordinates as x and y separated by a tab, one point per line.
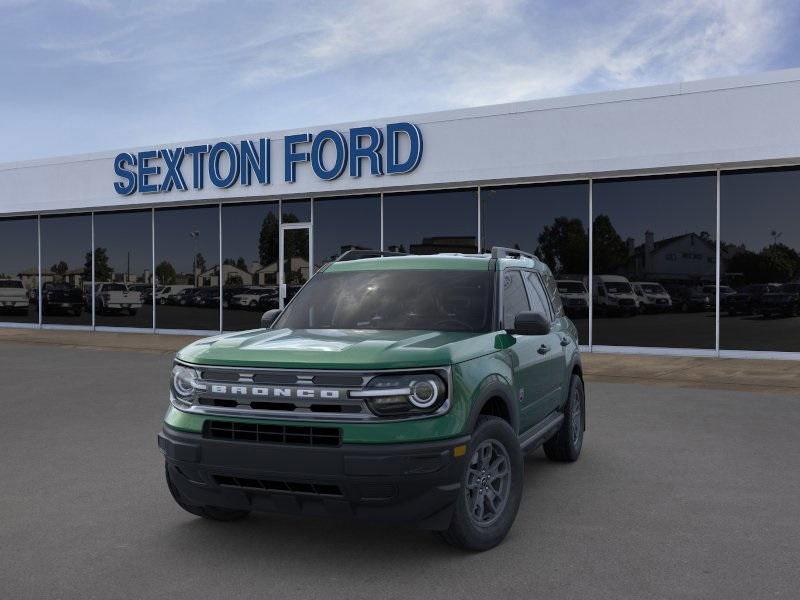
268	241
564	246
102	270
165	273
610	250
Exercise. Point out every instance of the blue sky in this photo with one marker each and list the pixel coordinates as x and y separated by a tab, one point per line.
89	75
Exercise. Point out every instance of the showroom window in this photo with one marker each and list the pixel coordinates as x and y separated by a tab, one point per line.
187	269
296	211
249	263
551	221
67	269
342	224
760	260
123	266
431	222
654	262
19	270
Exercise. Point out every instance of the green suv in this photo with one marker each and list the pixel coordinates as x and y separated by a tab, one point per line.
395	388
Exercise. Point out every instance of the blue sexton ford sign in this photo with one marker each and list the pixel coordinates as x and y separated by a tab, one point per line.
224	164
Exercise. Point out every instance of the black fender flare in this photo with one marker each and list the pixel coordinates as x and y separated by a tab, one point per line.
494	386
574	366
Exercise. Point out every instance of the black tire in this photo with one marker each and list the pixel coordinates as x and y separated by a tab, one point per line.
465	531
214	513
566	444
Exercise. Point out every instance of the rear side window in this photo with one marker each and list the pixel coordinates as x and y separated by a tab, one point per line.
551	286
537	295
515	298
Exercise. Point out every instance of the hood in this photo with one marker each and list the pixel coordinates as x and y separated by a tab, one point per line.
339	348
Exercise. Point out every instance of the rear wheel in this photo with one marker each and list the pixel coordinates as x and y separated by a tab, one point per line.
215	513
565	445
491	488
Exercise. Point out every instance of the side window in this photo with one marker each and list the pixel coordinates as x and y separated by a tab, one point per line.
552	291
515	299
537	294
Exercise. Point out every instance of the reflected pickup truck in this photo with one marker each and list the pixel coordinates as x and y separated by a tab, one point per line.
13	296
397	388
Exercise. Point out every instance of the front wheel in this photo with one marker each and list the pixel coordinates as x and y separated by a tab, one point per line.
214	513
491	488
566	444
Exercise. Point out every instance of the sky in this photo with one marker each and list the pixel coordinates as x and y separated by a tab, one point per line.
91	75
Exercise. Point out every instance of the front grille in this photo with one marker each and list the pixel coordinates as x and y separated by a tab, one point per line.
288	487
273	434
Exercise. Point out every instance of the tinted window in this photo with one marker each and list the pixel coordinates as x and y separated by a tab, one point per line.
67	266
296	211
536	295
341	224
759	216
393	300
515	298
187	256
123	254
551	221
249	263
654	230
431	222
19	270
551	288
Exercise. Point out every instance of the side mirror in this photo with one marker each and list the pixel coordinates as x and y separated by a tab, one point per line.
268	318
531	323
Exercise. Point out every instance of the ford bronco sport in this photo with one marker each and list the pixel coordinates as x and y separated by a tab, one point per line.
395	388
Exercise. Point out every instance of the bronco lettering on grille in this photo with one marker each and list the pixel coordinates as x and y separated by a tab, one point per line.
275	392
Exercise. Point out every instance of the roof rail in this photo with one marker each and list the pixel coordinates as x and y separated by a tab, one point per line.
501	252
356	254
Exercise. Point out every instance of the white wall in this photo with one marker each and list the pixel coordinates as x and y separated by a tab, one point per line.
732	121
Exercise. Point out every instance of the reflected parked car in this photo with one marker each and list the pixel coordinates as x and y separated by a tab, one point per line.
574	297
13	296
652	296
182	298
61	298
747	300
248	298
613	295
205	297
690	299
116	298
269	300
785	301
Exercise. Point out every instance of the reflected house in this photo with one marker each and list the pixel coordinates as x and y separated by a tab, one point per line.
29	278
265	275
73	277
210	277
682	258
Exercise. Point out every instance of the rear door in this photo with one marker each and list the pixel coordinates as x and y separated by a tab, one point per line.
543	290
528	358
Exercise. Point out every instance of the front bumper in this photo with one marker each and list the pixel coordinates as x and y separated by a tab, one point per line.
402	483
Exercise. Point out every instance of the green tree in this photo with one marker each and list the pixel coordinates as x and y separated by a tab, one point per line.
564	246
241	263
59	268
610	250
234	280
200	262
268	241
102	270
165	273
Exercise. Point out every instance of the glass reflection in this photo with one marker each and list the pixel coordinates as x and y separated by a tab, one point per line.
19	270
296	211
551	221
760	260
654	258
342	224
67	269
431	222
187	269
250	263
123	289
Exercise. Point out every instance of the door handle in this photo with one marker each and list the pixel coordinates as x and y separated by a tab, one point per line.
565	341
543	349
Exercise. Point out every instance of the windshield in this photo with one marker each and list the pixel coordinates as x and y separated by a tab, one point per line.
653	288
434	300
571	287
10	283
617	287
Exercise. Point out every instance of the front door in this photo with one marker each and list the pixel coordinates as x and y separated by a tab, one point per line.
294	263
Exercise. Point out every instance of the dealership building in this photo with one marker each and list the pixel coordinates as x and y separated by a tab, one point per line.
670	216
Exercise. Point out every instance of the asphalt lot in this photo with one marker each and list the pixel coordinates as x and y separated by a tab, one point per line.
680	493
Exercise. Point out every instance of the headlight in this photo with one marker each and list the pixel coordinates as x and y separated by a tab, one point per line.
404	394
185	381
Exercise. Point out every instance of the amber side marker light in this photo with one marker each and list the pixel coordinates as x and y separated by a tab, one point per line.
460	450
